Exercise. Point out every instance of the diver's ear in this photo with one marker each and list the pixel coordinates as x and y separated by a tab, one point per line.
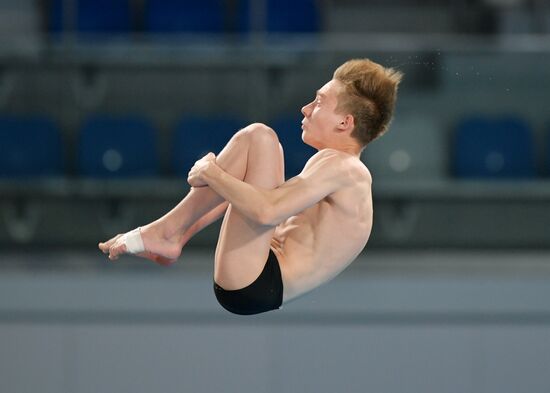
347	123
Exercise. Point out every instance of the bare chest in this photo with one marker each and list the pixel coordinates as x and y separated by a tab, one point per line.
323	229
317	244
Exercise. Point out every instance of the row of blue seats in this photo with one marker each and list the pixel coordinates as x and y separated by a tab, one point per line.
481	146
184	16
126	146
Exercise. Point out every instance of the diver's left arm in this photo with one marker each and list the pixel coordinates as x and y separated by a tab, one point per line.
325	175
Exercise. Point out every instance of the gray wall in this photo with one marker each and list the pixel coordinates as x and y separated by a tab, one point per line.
394	322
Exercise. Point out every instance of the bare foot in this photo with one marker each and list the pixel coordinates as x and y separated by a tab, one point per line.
158	248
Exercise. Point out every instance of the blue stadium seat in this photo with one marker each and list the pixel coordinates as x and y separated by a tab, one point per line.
30	147
297	16
285	16
494	148
117	147
288	128
94	16
185	16
196	136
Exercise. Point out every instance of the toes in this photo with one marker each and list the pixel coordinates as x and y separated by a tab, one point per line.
116	250
104	249
116	247
107	245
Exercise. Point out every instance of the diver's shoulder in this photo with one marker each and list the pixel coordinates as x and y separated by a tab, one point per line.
359	171
345	162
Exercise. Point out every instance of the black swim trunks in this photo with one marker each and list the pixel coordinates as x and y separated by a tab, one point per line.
264	294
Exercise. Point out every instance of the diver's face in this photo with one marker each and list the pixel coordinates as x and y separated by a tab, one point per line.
320	116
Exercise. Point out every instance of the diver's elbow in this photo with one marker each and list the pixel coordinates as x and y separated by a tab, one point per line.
267	216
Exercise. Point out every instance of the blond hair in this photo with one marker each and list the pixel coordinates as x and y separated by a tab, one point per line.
369	96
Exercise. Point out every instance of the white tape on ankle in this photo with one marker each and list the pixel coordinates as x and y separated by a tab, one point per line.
134	242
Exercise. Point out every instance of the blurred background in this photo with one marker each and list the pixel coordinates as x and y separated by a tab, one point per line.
106	104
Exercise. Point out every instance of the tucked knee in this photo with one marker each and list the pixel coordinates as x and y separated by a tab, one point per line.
261	134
